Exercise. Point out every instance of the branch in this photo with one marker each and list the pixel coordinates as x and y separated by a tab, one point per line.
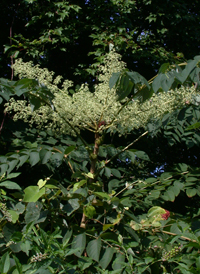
117	154
145	133
183	237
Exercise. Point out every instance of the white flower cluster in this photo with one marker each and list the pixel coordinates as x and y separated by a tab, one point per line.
44	77
87	110
5	212
38	257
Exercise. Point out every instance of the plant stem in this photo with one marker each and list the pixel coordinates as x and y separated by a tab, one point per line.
183	237
121	151
93	159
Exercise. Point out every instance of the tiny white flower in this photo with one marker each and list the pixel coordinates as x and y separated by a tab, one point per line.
128	186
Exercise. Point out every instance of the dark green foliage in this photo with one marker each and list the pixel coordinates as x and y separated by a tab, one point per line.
67	36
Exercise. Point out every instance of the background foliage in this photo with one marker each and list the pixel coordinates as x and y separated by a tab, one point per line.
67	36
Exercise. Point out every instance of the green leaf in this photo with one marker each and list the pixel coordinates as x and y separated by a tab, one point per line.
114	183
4	168
69	149
107	172
5	263
154	194
148	260
24	83
22	160
191	192
19	208
157	82
119	262
44	237
107	257
14	215
12	164
89	211
13	175
46	157
125	88
137	78
194	126
116	173
26	246
84	263
90	175
102	195
131	156
182	167
67	237
93	249
50	186
57	158
164	67
165	176
71	206
33	211
169	196
191	179
127	201
79	184
34	158
155	211
175	189
102	151
33	193
107	226
10	185
114	78
178	185
142	155
79	242
18	265
151	180
41	183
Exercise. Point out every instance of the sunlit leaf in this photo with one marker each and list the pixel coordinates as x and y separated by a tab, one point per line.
33	193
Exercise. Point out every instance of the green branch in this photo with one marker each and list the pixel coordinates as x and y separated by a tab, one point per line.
121	151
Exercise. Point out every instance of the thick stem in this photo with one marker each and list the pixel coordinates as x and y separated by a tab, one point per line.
95	154
83	221
93	158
